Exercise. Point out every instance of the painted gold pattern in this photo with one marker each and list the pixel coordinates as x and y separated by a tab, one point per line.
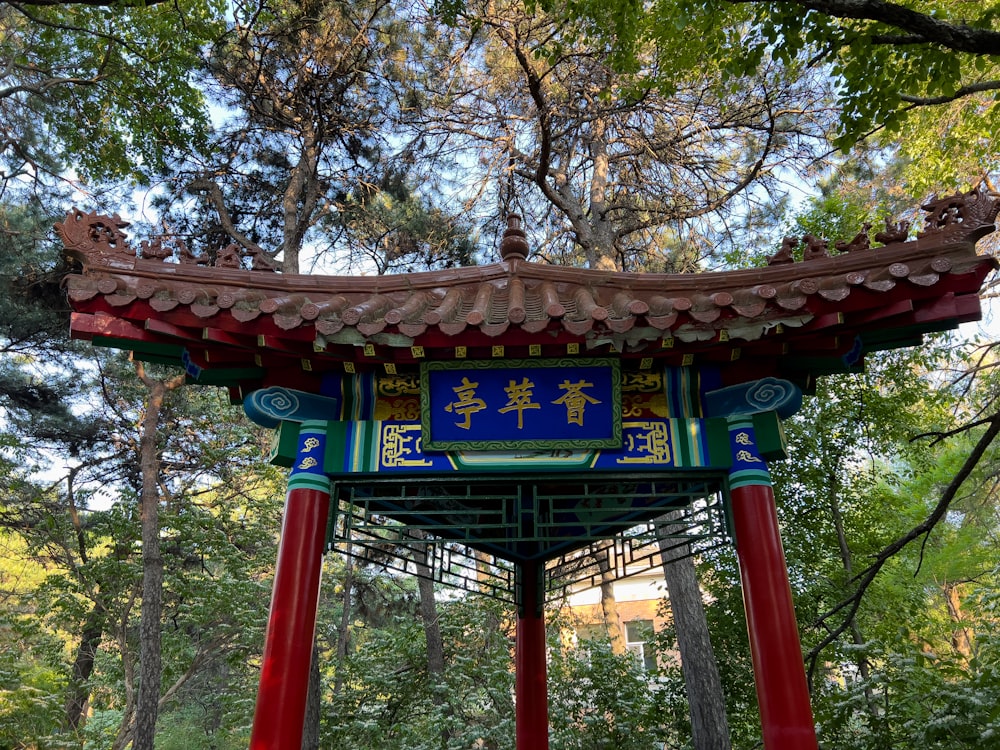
399	443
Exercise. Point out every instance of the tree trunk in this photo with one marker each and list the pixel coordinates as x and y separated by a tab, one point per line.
150	661
78	691
126	727
299	201
432	629
314	696
604	557
344	632
961	640
432	632
707	704
78	696
847	560
601	253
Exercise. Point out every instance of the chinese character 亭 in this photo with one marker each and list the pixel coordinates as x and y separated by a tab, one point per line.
467	404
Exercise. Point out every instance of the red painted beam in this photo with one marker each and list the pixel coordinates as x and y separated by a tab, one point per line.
84	326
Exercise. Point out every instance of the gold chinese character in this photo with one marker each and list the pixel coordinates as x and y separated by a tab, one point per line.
575	400
468	403
747	457
308	463
519	399
743	438
309	444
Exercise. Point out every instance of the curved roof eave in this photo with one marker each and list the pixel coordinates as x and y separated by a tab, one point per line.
803	317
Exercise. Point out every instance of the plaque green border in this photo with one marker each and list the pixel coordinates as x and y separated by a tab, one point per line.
615	441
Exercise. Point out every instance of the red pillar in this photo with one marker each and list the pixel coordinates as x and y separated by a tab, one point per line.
284	677
779	674
531	695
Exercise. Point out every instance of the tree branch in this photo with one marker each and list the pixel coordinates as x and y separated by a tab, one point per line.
865	577
39	89
959	37
975	88
91	3
213	192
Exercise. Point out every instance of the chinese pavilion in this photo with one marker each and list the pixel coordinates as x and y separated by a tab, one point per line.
498	424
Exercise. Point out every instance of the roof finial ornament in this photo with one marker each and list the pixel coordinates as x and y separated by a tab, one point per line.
514	245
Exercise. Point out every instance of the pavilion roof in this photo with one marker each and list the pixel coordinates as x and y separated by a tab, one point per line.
795	319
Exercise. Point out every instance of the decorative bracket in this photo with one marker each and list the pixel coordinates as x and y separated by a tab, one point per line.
269	407
767	394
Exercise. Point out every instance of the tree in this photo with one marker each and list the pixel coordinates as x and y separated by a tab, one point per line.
607	168
78	81
150	659
887	58
310	90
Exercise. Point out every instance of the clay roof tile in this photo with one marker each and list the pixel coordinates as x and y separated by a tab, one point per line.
816	308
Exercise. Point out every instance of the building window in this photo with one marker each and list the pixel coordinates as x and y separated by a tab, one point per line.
639	640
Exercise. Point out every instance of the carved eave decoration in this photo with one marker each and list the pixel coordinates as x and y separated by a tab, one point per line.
233	320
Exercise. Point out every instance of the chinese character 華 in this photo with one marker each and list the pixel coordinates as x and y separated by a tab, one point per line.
519	399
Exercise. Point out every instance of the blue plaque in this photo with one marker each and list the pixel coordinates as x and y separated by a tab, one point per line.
505	404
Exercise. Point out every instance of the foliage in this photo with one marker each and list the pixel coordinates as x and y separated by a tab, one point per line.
104	90
79	539
387	691
601	700
32	679
857	482
607	167
887	60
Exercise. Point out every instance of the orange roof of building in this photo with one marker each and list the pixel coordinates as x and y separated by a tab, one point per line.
236	322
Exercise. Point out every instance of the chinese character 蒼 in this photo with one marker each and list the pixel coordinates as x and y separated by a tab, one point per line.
575	400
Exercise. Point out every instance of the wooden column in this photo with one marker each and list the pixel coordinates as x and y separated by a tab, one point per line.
779	674
284	677
531	697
